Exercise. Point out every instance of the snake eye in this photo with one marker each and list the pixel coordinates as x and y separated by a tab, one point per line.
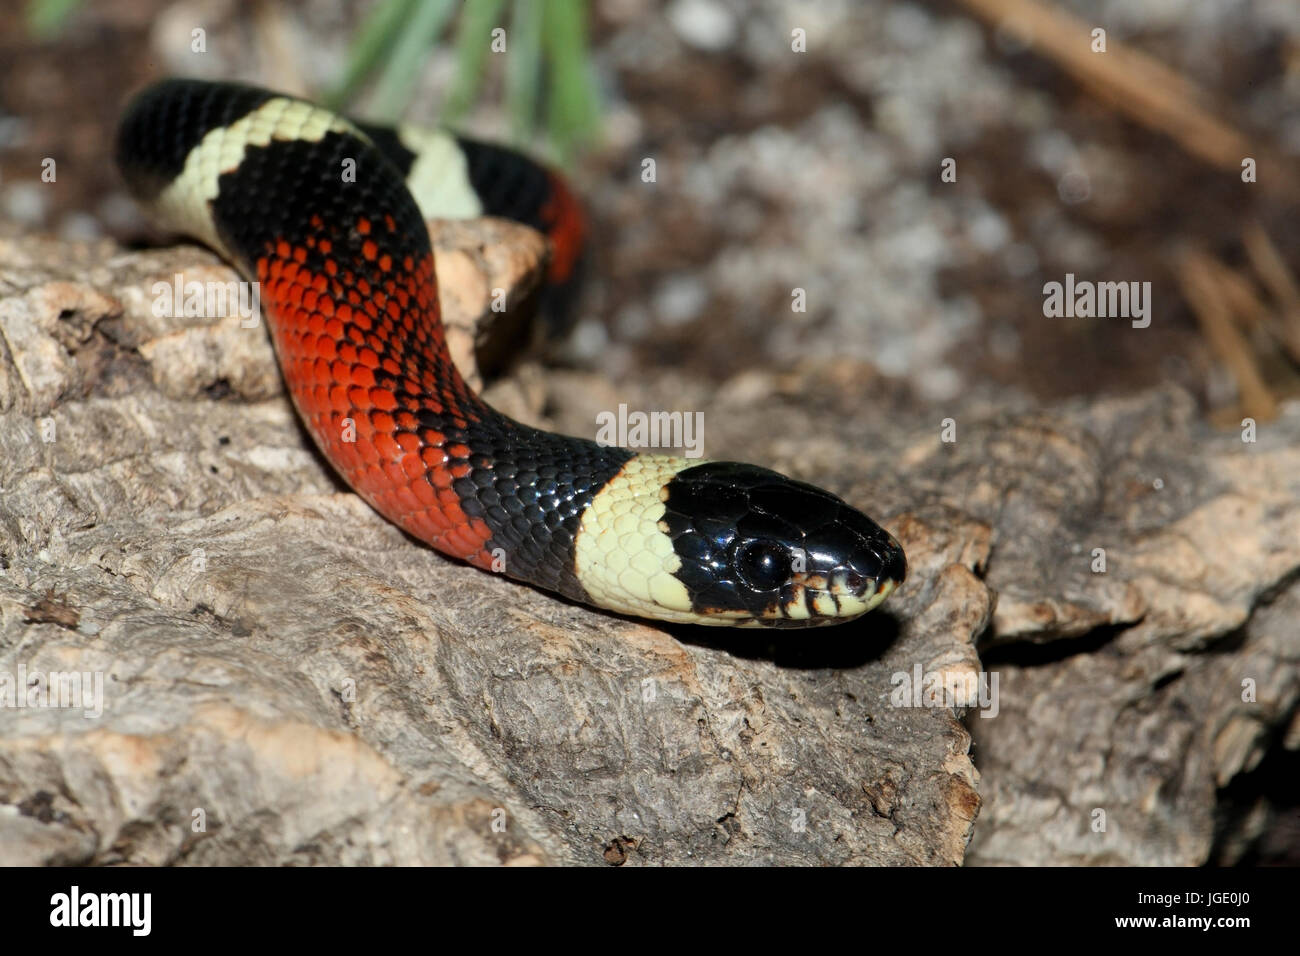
763	565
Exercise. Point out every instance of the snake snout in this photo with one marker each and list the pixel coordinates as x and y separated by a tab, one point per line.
893	562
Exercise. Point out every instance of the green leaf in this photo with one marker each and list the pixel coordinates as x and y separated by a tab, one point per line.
375	40
572	110
45	18
473	41
524	68
546	47
393	88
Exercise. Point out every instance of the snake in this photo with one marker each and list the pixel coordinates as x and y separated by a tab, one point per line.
328	217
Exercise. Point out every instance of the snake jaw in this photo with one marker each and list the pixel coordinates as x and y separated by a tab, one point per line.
841	595
831	598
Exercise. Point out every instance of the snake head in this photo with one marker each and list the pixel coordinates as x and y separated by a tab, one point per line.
732	544
756	544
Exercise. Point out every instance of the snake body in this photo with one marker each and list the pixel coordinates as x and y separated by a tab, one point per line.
348	289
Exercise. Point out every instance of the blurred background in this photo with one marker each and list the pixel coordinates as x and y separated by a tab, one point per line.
779	169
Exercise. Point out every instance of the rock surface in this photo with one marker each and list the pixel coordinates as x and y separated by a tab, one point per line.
289	679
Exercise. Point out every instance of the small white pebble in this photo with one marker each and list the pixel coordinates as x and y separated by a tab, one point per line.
1074	187
705	24
25	202
680	299
80	226
588	340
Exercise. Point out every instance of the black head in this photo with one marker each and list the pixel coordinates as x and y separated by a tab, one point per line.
759	548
